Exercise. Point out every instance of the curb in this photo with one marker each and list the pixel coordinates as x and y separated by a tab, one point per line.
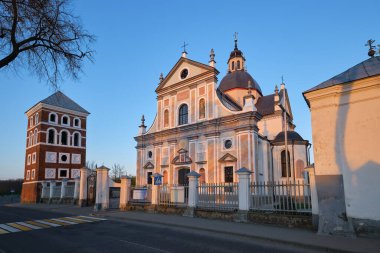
299	244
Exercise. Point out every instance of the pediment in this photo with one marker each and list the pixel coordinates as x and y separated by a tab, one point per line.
149	166
227	158
174	76
182	158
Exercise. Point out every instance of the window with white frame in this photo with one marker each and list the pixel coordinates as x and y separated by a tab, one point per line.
33	173
34	156
227	144
64	138
35	137
51	137
76	140
27	174
36	120
77	122
30	121
64	158
65	120
29	159
53	118
63	173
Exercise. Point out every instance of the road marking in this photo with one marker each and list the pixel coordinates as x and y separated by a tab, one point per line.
15	225
48	223
74	220
9	228
65	221
2	231
39	224
57	222
91	218
28	225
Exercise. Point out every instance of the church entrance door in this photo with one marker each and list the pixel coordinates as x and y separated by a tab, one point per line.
182	178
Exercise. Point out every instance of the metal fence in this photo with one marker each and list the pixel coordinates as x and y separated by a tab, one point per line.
56	191
173	195
222	196
292	197
69	191
141	194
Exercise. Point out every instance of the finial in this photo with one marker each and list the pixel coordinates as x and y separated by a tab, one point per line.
184	53
212	54
249	87
282	79
371	50
161	77
236	39
142	121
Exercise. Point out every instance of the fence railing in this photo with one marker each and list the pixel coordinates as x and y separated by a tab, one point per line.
173	195
141	194
56	191
293	197
222	196
69	191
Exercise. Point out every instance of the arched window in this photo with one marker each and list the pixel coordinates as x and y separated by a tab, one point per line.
53	117
202	178
300	166
283	164
36	119
202	109
165	176
238	65
76	139
64	138
166	118
233	65
51	136
76	122
35	136
183	115
65	120
31	138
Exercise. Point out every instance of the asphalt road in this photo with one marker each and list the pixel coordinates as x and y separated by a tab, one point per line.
120	236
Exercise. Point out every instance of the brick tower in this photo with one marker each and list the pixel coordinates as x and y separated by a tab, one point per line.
55	143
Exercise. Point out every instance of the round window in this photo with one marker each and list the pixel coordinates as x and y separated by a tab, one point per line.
150	154
64	158
227	144
184	73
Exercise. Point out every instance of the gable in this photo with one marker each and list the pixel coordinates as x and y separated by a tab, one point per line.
227	158
194	69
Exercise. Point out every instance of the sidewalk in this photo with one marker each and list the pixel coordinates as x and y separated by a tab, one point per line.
292	236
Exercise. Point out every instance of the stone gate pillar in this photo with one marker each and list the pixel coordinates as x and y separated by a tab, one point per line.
192	201
83	187
102	188
44	192
125	191
155	188
244	176
314	196
76	190
63	188
51	193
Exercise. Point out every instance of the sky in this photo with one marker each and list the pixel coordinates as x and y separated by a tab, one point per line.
307	42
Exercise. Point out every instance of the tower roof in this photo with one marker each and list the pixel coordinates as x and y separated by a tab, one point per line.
291	136
238	79
59	99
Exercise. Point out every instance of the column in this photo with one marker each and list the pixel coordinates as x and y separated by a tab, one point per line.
125	191
155	188
51	194
244	193
44	193
193	189
76	189
314	196
83	187
102	188
63	188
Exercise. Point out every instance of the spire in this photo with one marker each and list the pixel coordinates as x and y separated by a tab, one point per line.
142	121
184	53
236	40
212	58
161	78
282	83
142	127
276	90
236	60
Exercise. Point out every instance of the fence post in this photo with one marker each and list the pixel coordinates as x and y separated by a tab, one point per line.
51	193
44	193
244	176
125	191
193	193
83	187
76	190
102	188
314	196
63	189
155	188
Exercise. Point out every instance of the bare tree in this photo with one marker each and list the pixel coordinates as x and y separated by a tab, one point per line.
91	165
117	171
45	37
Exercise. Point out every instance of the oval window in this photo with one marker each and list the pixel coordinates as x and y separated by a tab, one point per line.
184	73
227	144
150	154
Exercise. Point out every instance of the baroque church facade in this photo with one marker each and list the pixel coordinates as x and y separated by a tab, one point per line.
216	129
55	144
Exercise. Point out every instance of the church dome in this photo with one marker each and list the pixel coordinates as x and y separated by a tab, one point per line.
292	136
238	79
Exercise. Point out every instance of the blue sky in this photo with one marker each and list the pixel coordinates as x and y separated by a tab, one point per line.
306	41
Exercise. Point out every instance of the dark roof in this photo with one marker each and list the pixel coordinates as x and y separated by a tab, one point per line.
238	79
367	68
61	100
236	53
227	101
292	136
265	105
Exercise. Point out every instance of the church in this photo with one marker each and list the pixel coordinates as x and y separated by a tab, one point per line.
215	129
